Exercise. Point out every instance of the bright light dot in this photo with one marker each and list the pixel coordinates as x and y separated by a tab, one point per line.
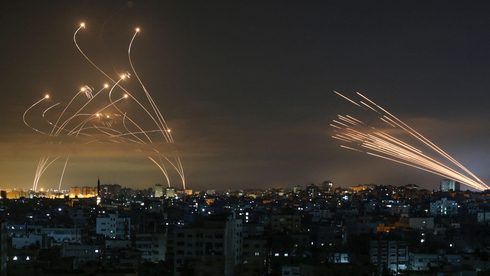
83	88
82	25
123	76
137	29
47	96
98	115
106	85
107	116
125	95
168	130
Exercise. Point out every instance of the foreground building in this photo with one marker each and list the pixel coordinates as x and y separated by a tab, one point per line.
211	246
113	226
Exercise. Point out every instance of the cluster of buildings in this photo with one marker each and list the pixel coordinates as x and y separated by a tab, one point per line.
112	191
308	230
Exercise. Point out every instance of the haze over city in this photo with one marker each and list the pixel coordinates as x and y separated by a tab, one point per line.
247	87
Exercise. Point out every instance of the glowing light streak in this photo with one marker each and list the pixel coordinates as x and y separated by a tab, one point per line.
162	168
64	110
422	138
63	173
386	121
24	115
340	123
348	99
382	145
60	128
370	107
350	117
43	165
105	124
345	119
346	147
44	113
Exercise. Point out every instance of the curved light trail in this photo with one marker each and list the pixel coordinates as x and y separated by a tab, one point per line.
106	120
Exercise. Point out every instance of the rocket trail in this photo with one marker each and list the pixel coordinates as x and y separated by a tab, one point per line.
24	115
63	173
42	166
162	168
423	139
371	141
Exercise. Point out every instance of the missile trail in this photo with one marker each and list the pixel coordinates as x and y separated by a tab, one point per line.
369	140
107	119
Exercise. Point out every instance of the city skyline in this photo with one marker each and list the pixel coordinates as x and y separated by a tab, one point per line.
247	88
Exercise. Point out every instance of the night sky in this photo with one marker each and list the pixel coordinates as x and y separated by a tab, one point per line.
247	86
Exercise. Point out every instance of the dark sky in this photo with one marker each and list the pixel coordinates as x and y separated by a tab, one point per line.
247	86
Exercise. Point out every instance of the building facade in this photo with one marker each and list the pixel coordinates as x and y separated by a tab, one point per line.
391	255
158	191
214	246
113	226
448	185
444	207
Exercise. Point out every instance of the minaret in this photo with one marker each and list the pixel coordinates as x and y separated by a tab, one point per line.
98	191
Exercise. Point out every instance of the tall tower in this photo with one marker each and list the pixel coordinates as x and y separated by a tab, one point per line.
98	191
